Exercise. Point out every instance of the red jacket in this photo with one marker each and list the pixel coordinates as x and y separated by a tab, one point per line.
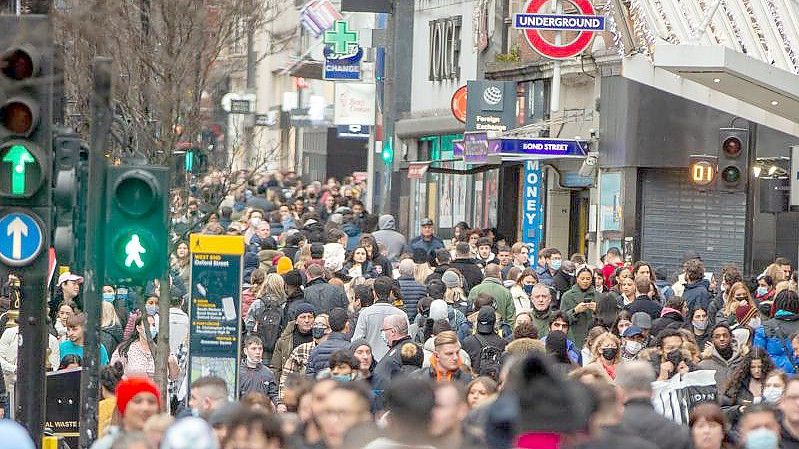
607	272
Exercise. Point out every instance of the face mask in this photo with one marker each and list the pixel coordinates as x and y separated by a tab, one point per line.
255	221
609	353
772	394
153	331
555	264
761	291
761	438
700	325
108	297
341	377
528	289
318	332
633	347
151	309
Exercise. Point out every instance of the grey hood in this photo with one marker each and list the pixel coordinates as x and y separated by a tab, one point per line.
386	222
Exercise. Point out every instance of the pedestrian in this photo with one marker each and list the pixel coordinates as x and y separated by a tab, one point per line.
445	363
522	289
606	354
110	327
253	428
455	294
297	362
322	295
335	341
774	334
426	240
76	330
613	260
632	343
67	289
381	265
760	428
136	354
412	291
345	406
745	384
448	426
110	376
367	364
697	288
634	381
358	265
492	285
643	302
698	326
370	319
466	266
297	332
254	376
395	332
387	235
579	306
138	399
672	316
722	354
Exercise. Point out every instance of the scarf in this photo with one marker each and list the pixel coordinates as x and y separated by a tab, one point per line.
441	377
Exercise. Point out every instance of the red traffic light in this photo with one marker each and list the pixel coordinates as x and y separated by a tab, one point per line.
732	146
17	117
18	65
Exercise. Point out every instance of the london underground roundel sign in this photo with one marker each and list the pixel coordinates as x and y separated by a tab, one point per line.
532	22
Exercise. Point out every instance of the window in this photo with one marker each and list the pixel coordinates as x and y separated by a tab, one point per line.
445	49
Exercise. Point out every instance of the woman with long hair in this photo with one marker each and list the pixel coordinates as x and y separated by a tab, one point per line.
745	384
179	262
739	307
136	353
358	264
66	308
709	427
480	390
774	335
607	310
110	327
380	263
699	326
606	354
623	320
522	289
642	268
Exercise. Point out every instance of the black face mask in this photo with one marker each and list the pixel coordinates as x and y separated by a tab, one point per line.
318	332
675	357
610	353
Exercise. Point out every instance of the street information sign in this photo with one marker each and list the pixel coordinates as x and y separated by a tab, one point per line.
20	239
586	24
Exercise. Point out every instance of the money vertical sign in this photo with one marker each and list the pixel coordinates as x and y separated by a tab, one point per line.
532	209
214	311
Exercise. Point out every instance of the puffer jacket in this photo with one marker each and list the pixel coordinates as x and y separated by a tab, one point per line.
320	355
774	335
412	292
711	359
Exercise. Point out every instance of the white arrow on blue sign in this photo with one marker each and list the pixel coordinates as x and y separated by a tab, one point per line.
20	239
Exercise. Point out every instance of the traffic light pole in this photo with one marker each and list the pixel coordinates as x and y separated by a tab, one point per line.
95	256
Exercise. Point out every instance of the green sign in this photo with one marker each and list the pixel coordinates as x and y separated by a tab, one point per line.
133	251
18	157
189	161
341	39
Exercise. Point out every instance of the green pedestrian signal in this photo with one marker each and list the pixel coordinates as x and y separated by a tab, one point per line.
136	217
388	151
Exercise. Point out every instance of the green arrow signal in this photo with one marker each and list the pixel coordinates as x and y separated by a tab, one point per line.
18	156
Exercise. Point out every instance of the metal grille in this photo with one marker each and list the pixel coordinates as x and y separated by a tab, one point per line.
677	217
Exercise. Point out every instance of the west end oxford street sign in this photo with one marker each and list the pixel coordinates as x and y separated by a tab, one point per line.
586	23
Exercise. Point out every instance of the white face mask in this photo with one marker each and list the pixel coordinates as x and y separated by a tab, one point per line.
633	347
772	394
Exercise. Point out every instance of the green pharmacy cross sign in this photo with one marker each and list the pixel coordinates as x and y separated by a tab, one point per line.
341	39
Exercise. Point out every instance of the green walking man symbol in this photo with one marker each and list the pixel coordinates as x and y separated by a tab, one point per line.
134	250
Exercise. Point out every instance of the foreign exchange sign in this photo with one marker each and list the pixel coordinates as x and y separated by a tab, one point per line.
586	23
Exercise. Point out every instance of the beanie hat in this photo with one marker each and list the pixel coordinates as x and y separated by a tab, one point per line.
304	307
451	279
128	388
438	310
406	267
284	265
293	278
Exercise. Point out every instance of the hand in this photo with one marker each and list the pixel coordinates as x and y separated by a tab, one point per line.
666	368
591	306
708	346
683	368
281	408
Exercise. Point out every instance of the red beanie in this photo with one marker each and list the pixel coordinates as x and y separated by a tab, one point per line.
131	386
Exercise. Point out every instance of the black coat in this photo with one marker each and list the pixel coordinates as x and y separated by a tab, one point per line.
671	320
471	272
319	359
562	282
641	419
473	344
642	303
325	296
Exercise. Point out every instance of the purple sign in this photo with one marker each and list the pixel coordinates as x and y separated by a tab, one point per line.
545	147
459	149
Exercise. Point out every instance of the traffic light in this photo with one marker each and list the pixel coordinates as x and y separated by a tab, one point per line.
733	159
388	151
136	223
702	170
69	179
25	103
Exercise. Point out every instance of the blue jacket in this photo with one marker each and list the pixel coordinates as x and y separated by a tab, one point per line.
412	292
319	358
697	294
769	338
574	354
427	246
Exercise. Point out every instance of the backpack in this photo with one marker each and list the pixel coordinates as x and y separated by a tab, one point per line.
489	359
267	322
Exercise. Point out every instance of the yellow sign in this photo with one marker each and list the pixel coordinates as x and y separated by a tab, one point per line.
702	173
216	244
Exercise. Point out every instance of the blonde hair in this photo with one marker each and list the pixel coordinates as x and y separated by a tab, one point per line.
304	256
273	286
109	316
730	298
453	295
601	340
421	271
445	338
776	273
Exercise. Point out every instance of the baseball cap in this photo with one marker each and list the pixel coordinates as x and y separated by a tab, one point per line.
486	318
69	277
642	320
632	331
426	222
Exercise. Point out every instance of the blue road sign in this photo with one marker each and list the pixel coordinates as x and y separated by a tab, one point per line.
570	22
20	239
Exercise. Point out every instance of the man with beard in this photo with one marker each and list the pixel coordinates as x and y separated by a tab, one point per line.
721	353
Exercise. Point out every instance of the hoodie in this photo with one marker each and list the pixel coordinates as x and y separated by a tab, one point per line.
353	234
387	235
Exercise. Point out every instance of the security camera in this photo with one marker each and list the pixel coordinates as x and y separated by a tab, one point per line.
589	165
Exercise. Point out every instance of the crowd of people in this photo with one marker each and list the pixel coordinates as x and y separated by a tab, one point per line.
355	335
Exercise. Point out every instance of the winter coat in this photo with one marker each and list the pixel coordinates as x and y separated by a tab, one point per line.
390	365
428	246
732	409
469	326
769	337
367	269
473	345
697	294
472	274
670	319
521	300
504	302
394	242
412	292
711	359
382	266
111	336
334	256
324	296
314	232
579	323
320	355
642	303
541	321
259	379
353	232
641	419
285	344
370	325
562	281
